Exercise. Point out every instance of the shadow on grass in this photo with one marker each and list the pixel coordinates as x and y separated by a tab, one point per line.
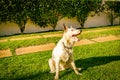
38	76
83	63
91	62
95	61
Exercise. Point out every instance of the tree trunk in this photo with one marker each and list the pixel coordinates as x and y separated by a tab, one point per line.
54	26
81	21
82	25
111	18
22	28
119	20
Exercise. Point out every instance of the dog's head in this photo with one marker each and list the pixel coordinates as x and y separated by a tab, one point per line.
71	33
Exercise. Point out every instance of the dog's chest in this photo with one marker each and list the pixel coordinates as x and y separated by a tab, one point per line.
67	55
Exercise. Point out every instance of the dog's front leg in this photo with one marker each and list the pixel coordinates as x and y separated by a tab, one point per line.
57	69
74	68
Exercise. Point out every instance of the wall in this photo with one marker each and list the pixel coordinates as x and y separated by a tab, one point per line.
31	27
9	29
69	22
97	20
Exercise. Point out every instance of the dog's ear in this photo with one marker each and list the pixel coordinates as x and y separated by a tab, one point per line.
65	27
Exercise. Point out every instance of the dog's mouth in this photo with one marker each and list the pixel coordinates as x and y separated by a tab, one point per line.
75	38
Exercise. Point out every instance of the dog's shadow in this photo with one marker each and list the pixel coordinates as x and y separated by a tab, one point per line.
92	61
95	61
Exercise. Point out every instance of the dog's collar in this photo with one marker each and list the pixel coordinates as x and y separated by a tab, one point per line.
66	46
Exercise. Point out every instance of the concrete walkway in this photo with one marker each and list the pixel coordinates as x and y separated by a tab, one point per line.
50	46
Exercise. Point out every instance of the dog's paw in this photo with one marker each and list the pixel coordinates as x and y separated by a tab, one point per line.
56	78
79	69
52	71
79	74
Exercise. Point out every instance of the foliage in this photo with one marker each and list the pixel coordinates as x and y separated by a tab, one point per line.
38	12
53	14
49	12
112	8
84	8
14	11
44	12
80	9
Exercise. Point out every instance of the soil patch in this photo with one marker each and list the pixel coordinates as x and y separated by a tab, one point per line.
83	42
5	53
107	38
37	48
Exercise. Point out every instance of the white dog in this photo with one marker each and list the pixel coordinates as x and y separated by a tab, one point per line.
62	55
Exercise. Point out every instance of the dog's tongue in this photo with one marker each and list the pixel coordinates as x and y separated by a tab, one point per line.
75	38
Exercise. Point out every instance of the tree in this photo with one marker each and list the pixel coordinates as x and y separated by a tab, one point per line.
80	9
112	8
83	9
3	11
46	12
14	11
53	18
54	14
19	13
38	12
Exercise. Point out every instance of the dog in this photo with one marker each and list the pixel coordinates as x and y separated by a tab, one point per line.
62	54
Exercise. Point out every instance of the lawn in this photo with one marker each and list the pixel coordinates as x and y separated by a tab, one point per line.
100	61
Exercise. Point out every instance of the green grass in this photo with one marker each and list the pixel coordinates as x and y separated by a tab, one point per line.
100	61
91	35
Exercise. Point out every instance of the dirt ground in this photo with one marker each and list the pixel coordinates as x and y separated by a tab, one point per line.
5	53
